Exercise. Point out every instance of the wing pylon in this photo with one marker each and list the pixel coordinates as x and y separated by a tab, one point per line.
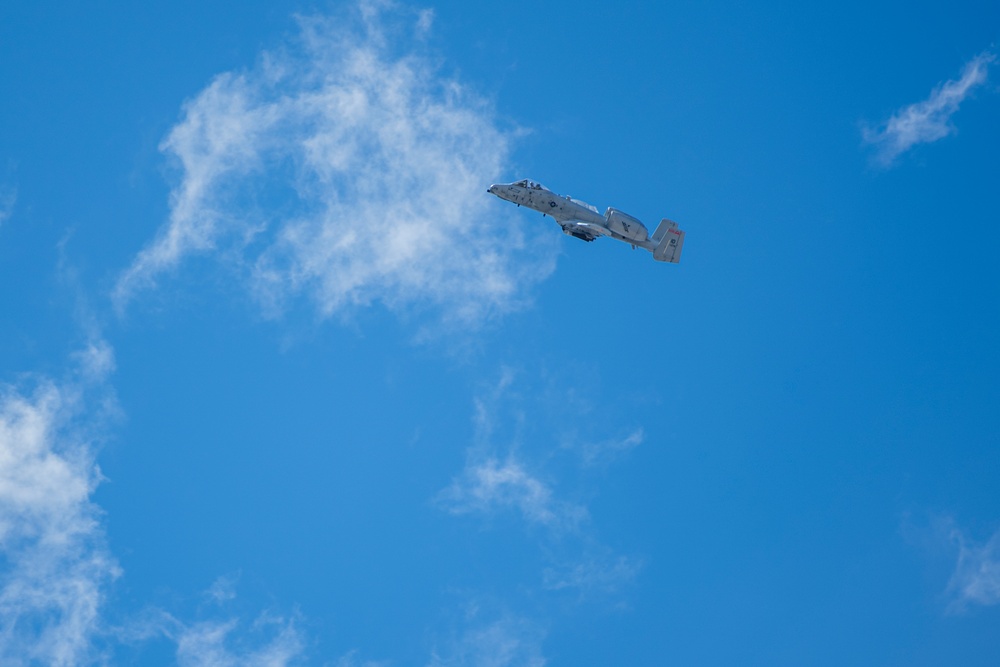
587	231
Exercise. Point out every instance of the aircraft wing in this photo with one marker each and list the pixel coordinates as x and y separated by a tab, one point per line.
587	231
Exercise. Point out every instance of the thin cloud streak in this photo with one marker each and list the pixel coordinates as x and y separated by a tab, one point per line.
8	197
606	451
351	659
929	120
341	172
607	574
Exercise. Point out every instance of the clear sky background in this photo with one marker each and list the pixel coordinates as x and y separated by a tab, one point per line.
283	385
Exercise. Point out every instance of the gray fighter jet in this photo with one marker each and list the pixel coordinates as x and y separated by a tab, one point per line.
584	221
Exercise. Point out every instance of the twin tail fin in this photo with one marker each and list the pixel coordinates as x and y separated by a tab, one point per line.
669	240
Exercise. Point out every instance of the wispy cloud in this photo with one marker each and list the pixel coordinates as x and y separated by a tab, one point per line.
489	486
508	642
976	579
603	452
351	659
605	573
271	641
929	120
218	636
8	197
513	467
223	589
56	565
345	169
495	477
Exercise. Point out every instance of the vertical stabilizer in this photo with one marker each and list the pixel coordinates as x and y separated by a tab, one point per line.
661	229
669	240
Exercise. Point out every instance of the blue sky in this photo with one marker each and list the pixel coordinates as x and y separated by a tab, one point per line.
283	385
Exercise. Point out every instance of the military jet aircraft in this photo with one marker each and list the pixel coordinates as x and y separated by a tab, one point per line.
585	222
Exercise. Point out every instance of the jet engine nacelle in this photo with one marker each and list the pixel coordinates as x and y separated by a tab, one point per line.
625	225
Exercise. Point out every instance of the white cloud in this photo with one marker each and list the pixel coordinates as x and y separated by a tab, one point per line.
56	566
488	486
976	579
346	171
929	120
508	642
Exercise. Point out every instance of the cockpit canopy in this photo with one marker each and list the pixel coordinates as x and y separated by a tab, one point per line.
531	185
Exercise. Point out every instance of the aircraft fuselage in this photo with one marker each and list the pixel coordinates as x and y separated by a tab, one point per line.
585	222
560	207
